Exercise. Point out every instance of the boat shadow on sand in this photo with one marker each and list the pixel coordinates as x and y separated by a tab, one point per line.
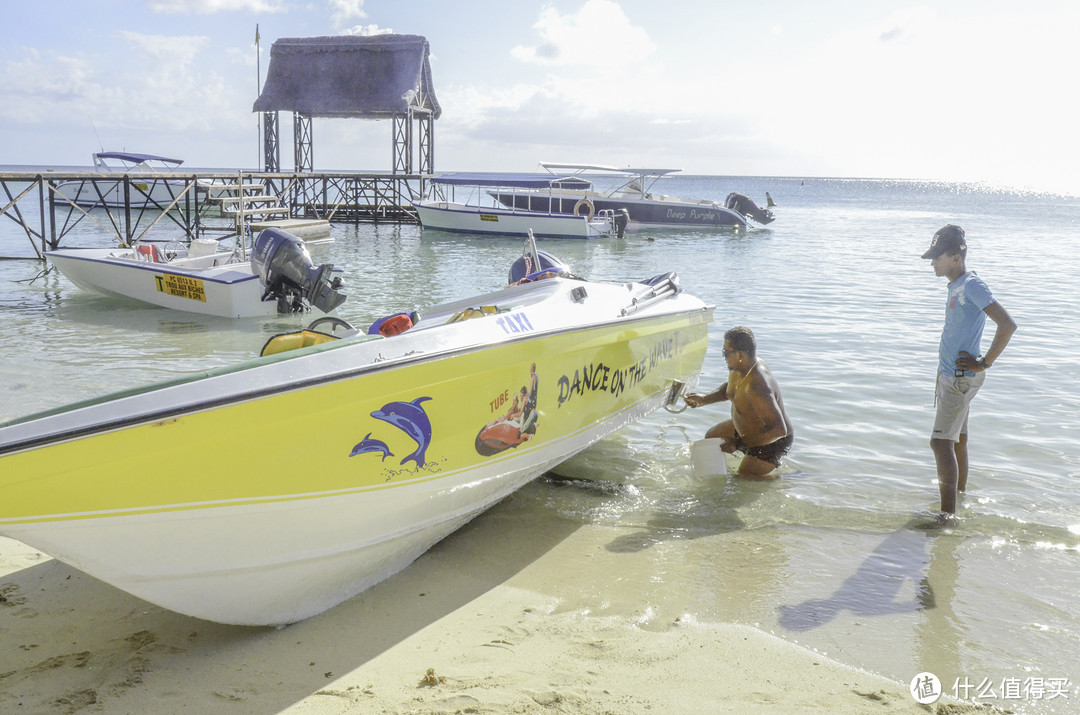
82	642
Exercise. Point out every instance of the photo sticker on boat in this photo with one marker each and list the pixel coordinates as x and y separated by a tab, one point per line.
517	425
181	286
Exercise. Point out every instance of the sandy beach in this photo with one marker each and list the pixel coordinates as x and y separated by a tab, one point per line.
491	620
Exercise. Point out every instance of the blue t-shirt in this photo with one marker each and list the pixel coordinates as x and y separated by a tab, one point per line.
964	320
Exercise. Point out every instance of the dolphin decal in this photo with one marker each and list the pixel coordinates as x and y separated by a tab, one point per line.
367	444
410	418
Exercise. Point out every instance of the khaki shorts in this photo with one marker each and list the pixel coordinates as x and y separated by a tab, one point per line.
953	397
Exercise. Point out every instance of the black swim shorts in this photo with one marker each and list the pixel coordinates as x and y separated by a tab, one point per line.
771	453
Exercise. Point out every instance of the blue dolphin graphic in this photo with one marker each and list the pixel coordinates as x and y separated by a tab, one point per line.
371	445
410	418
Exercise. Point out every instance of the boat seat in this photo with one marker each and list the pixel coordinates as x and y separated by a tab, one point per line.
293	341
395	324
470	313
149	252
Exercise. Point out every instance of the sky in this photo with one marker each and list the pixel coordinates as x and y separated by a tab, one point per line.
950	90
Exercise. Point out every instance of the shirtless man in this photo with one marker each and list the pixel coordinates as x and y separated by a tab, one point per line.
759	427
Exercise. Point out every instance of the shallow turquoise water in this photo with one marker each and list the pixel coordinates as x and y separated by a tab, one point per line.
848	317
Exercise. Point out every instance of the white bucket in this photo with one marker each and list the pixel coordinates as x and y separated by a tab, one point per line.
708	460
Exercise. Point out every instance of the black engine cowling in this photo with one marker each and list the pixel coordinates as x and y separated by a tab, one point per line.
744	205
287	273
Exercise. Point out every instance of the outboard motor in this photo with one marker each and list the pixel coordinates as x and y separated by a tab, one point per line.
622	220
284	267
743	204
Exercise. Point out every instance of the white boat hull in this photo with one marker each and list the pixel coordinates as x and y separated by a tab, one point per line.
145	193
465	218
660	212
227	290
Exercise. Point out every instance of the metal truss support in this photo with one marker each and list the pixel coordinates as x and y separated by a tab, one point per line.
271	143
403	143
44	206
427	143
303	156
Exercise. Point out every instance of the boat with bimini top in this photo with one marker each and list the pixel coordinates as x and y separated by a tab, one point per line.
146	183
534	213
633	193
268	492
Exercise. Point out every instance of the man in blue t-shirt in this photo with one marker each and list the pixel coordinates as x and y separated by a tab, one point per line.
961	367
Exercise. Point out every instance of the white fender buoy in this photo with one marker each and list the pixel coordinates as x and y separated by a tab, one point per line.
588	204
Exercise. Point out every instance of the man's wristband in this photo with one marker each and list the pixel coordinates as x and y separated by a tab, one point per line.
983	364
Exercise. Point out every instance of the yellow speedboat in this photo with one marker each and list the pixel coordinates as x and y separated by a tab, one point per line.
268	492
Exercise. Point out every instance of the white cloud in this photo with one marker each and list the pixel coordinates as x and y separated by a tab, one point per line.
929	93
35	89
344	10
157	88
599	35
164	50
367	30
601	97
210	7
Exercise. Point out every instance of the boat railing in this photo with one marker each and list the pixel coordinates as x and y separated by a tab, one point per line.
47	211
665	289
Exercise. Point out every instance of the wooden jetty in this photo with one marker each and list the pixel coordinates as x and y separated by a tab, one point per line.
214	203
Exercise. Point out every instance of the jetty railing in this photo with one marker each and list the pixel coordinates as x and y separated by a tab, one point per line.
48	206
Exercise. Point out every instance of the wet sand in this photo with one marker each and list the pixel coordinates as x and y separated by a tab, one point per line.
491	620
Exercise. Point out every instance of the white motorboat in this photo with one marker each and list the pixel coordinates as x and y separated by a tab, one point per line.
268	492
146	183
200	278
633	192
480	214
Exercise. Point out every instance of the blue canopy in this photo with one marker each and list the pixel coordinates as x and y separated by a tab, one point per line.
136	158
519	181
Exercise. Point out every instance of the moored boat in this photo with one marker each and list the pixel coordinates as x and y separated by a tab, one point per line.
268	492
480	214
199	278
147	184
633	193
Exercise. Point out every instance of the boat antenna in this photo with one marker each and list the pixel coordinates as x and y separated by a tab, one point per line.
96	134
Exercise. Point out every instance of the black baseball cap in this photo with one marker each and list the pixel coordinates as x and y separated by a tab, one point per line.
948	239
